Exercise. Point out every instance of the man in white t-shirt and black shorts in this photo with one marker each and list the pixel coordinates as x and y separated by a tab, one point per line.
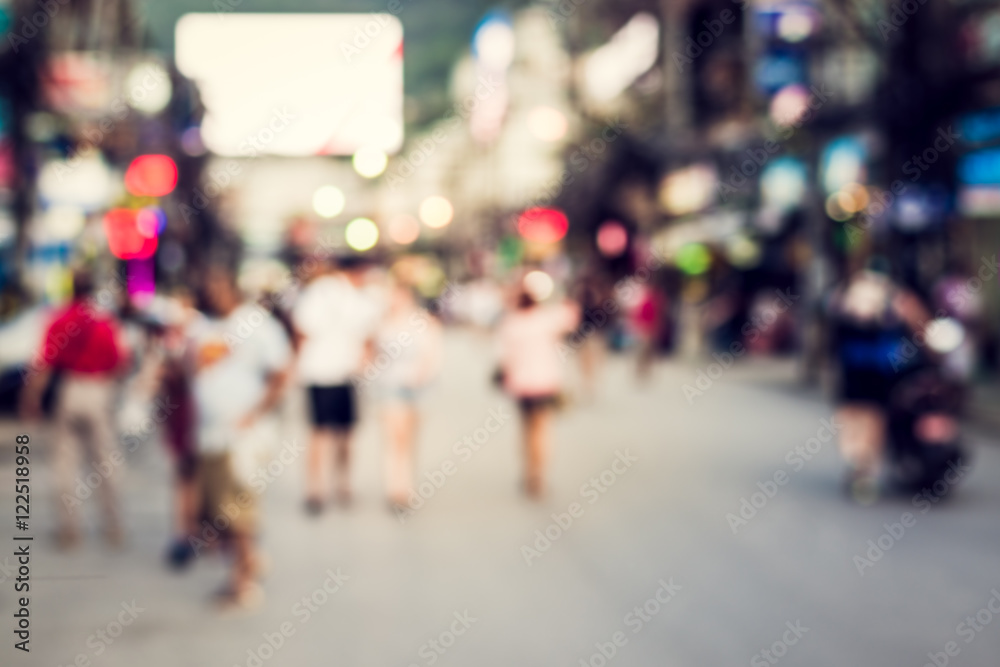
335	319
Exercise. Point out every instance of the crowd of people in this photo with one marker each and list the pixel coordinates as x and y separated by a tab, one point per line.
222	363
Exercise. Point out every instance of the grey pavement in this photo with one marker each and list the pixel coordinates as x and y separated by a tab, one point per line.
655	524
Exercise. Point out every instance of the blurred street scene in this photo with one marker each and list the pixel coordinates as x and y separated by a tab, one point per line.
553	332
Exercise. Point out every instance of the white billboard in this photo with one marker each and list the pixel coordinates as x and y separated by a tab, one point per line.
295	84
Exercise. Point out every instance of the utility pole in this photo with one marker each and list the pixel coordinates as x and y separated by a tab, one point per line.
676	84
20	68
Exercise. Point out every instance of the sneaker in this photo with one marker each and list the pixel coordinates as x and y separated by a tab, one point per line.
114	536
863	487
229	601
314	506
533	488
67	539
180	554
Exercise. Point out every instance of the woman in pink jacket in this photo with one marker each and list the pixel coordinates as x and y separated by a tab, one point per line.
530	340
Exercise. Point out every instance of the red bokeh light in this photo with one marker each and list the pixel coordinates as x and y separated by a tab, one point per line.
543	225
151	176
124	238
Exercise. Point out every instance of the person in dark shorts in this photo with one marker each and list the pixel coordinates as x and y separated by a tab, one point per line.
873	317
532	372
335	320
332	407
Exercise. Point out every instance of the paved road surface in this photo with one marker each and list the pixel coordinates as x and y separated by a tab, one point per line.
661	518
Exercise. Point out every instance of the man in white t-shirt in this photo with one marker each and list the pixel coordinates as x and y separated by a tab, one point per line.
335	319
239	358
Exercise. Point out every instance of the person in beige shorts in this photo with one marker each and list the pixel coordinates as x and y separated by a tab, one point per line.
84	344
226	496
239	358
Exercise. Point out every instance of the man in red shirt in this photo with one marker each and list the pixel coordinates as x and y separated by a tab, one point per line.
84	344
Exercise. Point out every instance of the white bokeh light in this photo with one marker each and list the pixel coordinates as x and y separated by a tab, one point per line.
370	161
328	201
148	88
361	234
539	285
436	212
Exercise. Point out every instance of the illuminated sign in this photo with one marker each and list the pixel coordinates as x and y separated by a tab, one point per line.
981	126
296	84
980	167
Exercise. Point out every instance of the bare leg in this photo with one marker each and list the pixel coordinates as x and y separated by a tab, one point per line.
186	507
645	359
863	435
66	464
315	463
589	352
400	422
103	448
526	418
861	442
537	427
342	447
245	563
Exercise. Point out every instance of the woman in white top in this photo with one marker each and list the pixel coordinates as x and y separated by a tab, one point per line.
532	370
407	358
